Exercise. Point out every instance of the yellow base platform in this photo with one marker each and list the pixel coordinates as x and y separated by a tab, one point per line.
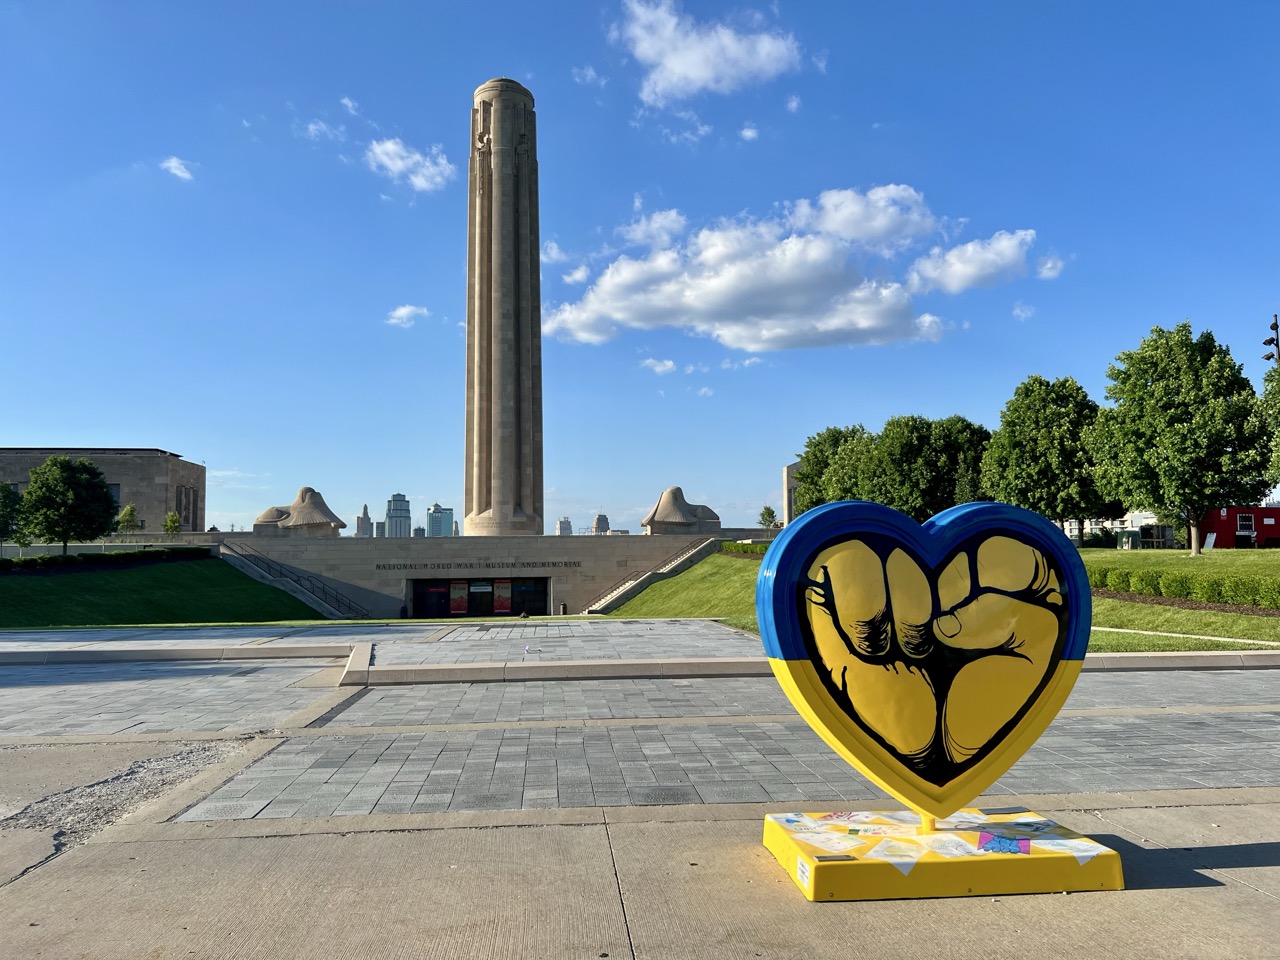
885	856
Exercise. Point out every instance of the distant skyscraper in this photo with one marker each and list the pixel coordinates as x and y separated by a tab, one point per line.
440	522
456	531
379	528
600	525
420	532
564	528
399	518
364	523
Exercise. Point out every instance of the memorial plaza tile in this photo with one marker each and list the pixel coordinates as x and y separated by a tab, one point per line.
153	697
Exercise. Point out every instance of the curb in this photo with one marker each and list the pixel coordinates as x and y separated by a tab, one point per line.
360	672
313	651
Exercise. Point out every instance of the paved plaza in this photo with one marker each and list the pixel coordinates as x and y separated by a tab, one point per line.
639	799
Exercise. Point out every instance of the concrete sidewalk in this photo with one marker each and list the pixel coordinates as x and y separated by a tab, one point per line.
1202	869
252	808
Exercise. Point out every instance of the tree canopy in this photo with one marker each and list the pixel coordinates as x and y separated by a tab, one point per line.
819	451
10	517
1186	433
127	521
172	522
1040	458
67	501
921	466
768	517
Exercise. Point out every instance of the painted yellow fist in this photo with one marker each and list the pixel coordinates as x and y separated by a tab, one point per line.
938	665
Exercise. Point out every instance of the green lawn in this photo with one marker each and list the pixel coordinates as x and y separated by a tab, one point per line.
719	587
725	589
191	591
1219	562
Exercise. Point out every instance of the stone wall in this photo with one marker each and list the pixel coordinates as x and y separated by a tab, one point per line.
377	573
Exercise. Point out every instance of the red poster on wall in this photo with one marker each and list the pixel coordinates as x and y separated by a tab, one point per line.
457	598
502	596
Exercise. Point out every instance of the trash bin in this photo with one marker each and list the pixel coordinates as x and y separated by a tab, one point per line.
564	609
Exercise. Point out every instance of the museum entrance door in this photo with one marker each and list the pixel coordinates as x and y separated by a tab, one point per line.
503	597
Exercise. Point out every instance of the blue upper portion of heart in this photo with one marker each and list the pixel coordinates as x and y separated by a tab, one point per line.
787	560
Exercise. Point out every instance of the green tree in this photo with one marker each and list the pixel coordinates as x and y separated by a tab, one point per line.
127	521
819	451
1040	459
172	522
841	482
1186	433
67	501
921	466
1269	406
768	519
10	515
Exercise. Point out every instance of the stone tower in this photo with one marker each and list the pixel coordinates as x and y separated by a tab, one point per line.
504	317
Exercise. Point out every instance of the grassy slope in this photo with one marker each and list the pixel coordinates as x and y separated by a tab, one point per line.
724	588
719	587
193	591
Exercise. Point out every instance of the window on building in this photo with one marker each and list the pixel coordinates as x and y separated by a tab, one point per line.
115	492
1244	523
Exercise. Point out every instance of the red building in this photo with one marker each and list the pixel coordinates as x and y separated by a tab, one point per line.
1241	527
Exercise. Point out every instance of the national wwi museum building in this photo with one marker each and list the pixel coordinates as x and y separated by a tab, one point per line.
156	482
502	565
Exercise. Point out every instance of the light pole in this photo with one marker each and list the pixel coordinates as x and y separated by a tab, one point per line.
1273	341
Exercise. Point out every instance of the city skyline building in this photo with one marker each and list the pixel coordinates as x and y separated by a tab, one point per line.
599	525
399	518
380	528
440	521
564	528
364	523
419	532
503	483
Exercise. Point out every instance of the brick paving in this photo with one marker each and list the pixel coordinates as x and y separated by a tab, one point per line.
724	760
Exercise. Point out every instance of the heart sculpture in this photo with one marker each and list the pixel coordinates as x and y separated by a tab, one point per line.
929	656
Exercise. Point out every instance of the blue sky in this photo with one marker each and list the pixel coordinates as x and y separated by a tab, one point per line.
238	230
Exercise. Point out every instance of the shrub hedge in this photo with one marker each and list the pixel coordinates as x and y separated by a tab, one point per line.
57	563
1244	591
730	546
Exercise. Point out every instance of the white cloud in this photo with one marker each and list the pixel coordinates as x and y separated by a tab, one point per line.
694	130
1050	267
423	171
319	130
696	368
659	367
684	57
974	264
750	286
1023	311
177	167
657	230
793	104
405	316
588	77
578	274
788	281
820	61
749	132
705	391
551	253
351	106
883	218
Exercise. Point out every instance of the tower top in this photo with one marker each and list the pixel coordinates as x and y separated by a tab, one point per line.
502	85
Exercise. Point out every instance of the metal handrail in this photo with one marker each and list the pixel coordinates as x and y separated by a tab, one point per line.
312	585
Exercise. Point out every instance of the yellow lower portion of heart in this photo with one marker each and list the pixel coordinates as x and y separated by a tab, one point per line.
807	693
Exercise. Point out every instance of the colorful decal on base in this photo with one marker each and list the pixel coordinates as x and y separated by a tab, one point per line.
929	656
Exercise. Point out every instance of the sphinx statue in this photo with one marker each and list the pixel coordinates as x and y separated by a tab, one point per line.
307	516
674	514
